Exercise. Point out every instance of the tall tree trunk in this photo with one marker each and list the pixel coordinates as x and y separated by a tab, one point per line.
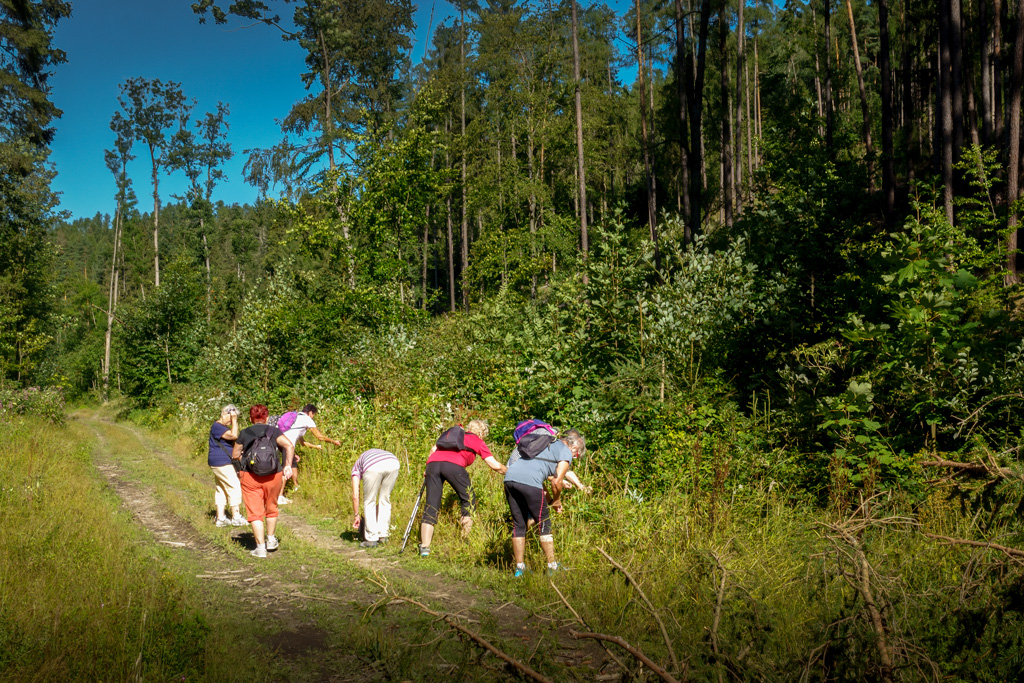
888	170
817	68
533	207
451	242
909	120
426	250
956	31
750	140
580	171
829	115
325	82
864	108
997	69
945	102
741	30
156	216
648	171
465	219
696	102
112	297
726	146
1013	166
986	73
683	76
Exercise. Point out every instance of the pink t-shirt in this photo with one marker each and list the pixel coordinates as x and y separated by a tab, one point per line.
475	447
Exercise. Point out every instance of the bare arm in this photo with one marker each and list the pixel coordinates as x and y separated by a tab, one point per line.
236	451
320	435
493	463
355	502
232	433
289	452
571	480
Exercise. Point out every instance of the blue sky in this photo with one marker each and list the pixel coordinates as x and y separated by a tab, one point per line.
109	41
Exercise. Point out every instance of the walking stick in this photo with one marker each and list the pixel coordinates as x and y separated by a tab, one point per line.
415	509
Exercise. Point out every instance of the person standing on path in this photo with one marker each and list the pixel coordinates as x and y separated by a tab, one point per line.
227	490
527	499
260	491
450	466
296	434
378	470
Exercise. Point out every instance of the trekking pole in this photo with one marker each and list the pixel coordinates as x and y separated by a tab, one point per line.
415	509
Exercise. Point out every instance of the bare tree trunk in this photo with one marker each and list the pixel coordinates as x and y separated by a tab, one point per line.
817	77
956	31
865	110
997	69
325	82
888	170
426	249
945	101
750	141
465	220
1013	165
741	30
696	101
580	170
986	73
156	217
648	171
909	121
112	298
682	85
723	36
451	243
829	116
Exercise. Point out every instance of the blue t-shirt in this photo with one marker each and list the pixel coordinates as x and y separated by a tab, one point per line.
533	471
220	448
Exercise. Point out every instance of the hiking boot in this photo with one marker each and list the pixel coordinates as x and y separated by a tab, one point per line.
222	522
259	551
369	544
238	521
559	567
281	500
382	540
424	551
272	543
519	573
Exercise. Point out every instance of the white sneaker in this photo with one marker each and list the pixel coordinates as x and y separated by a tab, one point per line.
260	551
272	543
281	500
239	521
222	522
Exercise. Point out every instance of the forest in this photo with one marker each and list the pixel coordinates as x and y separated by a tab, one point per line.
763	255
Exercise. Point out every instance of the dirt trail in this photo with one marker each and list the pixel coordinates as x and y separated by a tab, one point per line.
286	595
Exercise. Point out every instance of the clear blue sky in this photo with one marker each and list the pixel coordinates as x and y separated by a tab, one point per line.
109	41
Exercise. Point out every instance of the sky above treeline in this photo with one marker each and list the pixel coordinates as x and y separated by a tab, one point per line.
109	41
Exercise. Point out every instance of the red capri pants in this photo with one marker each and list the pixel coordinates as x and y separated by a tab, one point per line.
260	494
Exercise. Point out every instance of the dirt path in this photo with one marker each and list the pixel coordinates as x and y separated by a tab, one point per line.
290	591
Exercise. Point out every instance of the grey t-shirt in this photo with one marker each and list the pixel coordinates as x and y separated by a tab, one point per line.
533	471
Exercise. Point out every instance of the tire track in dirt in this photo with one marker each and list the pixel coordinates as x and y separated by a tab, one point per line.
455	597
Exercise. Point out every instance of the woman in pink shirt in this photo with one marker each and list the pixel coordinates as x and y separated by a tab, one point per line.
450	466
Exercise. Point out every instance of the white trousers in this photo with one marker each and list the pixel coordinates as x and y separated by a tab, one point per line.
377	487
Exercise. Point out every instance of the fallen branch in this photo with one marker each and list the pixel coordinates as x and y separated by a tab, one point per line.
665	676
1012	552
978	467
584	625
650	607
452	620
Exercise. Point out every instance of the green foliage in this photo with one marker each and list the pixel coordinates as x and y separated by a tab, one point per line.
46	403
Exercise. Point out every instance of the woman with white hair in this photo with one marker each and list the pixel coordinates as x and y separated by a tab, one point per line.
450	466
227	490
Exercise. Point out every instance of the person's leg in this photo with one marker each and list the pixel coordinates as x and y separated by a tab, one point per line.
517	508
459	479
519	550
371	487
220	501
431	504
547	542
257	532
387	485
234	492
272	489
222	490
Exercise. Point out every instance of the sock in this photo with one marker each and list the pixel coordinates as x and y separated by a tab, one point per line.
521	565
261	545
552	565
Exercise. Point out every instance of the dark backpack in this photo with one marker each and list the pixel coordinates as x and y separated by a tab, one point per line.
261	456
532	437
452	439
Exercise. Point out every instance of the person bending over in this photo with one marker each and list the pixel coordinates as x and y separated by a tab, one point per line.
528	501
450	466
378	470
296	434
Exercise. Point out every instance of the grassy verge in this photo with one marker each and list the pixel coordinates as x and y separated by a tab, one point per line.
80	597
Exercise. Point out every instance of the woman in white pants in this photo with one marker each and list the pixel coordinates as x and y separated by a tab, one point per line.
378	470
